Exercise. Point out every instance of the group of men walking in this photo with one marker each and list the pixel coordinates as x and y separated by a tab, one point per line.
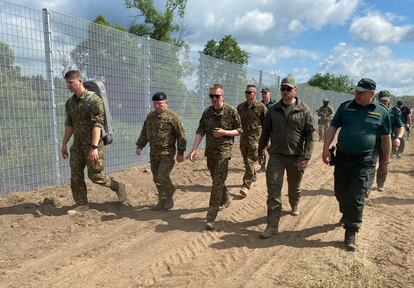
284	129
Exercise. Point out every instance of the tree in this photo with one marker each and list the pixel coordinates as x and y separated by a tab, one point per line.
329	81
159	25
101	20
227	49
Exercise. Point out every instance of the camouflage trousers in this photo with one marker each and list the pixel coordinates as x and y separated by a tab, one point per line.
274	179
219	168
78	161
323	127
250	157
161	167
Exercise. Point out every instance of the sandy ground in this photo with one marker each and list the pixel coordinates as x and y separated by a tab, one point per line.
114	245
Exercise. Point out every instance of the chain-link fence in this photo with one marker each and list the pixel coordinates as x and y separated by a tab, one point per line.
38	47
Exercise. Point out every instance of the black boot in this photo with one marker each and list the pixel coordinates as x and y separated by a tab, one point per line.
169	203
160	205
350	239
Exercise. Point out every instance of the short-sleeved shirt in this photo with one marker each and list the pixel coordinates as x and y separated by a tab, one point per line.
361	126
162	131
252	120
226	118
396	118
82	114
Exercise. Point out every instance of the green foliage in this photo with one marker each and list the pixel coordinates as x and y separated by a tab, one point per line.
329	81
157	24
227	49
101	20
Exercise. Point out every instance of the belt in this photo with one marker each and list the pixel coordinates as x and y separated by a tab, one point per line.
349	156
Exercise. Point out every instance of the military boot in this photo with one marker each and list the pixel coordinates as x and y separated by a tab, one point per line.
243	192
160	205
169	203
269	231
350	239
121	192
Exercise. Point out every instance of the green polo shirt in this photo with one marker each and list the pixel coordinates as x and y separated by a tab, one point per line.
361	126
396	118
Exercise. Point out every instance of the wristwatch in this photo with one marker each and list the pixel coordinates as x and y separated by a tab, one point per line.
93	146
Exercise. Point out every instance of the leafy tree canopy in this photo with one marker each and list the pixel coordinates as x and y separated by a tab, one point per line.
159	24
227	49
329	81
102	21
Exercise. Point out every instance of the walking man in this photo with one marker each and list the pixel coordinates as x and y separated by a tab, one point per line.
162	129
268	101
84	120
220	123
362	121
325	113
252	113
289	124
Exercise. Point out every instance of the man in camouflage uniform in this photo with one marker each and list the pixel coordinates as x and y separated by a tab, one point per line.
162	129
84	120
325	113
289	124
268	101
252	114
220	123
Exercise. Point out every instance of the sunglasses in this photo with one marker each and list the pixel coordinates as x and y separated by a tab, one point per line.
248	92
217	96
286	88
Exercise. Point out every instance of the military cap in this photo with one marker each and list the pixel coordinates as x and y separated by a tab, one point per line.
365	84
384	95
400	103
325	101
265	90
159	96
288	81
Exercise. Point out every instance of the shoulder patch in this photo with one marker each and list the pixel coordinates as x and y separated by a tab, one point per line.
374	113
350	109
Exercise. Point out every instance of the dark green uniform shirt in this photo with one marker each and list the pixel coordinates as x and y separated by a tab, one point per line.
361	126
226	118
396	118
271	102
82	115
162	131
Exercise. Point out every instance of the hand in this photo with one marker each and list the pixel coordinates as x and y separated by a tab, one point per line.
326	156
180	158
93	155
262	159
301	165
138	151
64	151
397	142
219	132
192	155
383	168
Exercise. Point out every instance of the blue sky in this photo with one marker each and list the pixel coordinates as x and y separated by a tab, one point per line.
358	38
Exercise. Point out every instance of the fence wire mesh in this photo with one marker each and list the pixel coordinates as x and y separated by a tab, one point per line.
39	47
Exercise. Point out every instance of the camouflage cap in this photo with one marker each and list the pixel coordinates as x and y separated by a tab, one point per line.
159	96
265	90
384	95
288	81
366	84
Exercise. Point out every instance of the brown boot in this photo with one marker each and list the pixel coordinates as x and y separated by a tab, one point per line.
121	192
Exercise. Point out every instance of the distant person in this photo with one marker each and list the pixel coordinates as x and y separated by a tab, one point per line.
397	133
252	113
220	123
362	121
325	114
84	120
162	129
405	112
268	101
289	125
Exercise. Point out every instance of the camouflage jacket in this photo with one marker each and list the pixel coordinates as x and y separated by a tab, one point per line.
252	120
292	135
82	115
226	118
325	113
162	131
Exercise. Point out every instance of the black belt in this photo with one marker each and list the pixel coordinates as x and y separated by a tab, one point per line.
349	156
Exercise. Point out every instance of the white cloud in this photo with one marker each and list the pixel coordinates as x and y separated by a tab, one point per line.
296	27
394	74
377	29
254	22
267	55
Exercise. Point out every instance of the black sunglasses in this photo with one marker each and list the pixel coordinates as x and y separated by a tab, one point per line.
214	96
248	92
286	88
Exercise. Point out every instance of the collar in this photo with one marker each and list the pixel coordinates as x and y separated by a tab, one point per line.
298	105
81	97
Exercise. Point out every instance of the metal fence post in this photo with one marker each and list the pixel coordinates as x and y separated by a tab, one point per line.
260	78
51	91
147	79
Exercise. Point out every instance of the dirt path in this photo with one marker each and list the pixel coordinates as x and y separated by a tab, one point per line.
115	245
